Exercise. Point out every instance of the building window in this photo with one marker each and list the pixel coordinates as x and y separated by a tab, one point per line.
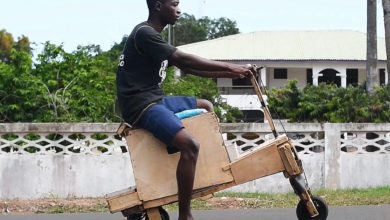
352	77
329	76
250	116
242	82
309	76
280	73
382	77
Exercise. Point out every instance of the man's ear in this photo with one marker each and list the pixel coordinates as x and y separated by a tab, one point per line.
158	5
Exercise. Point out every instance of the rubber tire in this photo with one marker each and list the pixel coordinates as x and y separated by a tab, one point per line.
138	216
319	203
164	214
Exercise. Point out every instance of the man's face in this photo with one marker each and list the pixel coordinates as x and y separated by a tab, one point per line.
170	11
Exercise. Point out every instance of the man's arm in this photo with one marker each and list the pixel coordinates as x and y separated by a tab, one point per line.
209	68
212	74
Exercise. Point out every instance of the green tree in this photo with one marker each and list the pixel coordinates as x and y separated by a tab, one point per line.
329	103
23	44
222	27
15	87
188	29
354	104
6	44
77	86
314	100
15	67
60	86
283	101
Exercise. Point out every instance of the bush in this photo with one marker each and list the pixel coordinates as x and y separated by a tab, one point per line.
329	103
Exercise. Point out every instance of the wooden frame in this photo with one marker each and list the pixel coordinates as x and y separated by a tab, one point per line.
214	171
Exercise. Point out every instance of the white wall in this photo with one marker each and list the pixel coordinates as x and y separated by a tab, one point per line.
42	176
39	175
292	73
224	82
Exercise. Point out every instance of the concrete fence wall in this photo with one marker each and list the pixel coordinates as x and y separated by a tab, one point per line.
90	160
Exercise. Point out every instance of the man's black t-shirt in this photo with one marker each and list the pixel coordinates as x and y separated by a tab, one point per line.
141	71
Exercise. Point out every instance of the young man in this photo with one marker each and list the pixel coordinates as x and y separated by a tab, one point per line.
141	71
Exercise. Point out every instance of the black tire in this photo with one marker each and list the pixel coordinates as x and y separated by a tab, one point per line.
138	216
164	214
319	203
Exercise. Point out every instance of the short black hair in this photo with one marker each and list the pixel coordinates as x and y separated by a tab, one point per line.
152	3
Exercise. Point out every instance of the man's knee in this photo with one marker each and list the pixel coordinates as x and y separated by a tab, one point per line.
187	144
206	104
191	149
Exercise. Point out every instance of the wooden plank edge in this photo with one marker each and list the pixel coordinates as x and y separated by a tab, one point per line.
196	194
123	201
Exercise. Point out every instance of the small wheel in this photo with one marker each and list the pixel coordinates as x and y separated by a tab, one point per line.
319	203
164	214
138	216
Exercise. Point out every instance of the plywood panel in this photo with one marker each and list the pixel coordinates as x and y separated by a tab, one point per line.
262	162
155	169
121	200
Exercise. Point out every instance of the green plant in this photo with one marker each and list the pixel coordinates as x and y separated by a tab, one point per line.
329	103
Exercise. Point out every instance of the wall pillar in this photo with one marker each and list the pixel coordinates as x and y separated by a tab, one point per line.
263	76
316	74
332	160
343	75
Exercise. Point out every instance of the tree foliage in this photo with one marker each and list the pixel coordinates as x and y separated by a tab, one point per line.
62	86
7	43
188	29
329	103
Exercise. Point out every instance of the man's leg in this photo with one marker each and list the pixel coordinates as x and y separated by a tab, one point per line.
185	173
206	104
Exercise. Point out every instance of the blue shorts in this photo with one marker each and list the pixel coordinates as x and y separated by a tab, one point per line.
161	121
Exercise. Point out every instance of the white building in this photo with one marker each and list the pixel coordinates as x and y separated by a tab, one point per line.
307	56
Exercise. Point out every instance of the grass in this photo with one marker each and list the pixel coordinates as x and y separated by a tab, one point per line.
348	197
101	207
371	196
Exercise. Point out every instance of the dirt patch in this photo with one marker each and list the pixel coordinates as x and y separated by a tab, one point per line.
22	207
225	202
73	205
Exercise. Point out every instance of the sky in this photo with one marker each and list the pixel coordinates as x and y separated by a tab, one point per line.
104	22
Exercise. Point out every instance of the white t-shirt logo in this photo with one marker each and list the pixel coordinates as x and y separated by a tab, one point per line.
163	71
121	60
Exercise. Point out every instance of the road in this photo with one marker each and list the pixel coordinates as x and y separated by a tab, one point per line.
381	212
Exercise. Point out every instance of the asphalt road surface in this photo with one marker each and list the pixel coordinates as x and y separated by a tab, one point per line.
381	212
